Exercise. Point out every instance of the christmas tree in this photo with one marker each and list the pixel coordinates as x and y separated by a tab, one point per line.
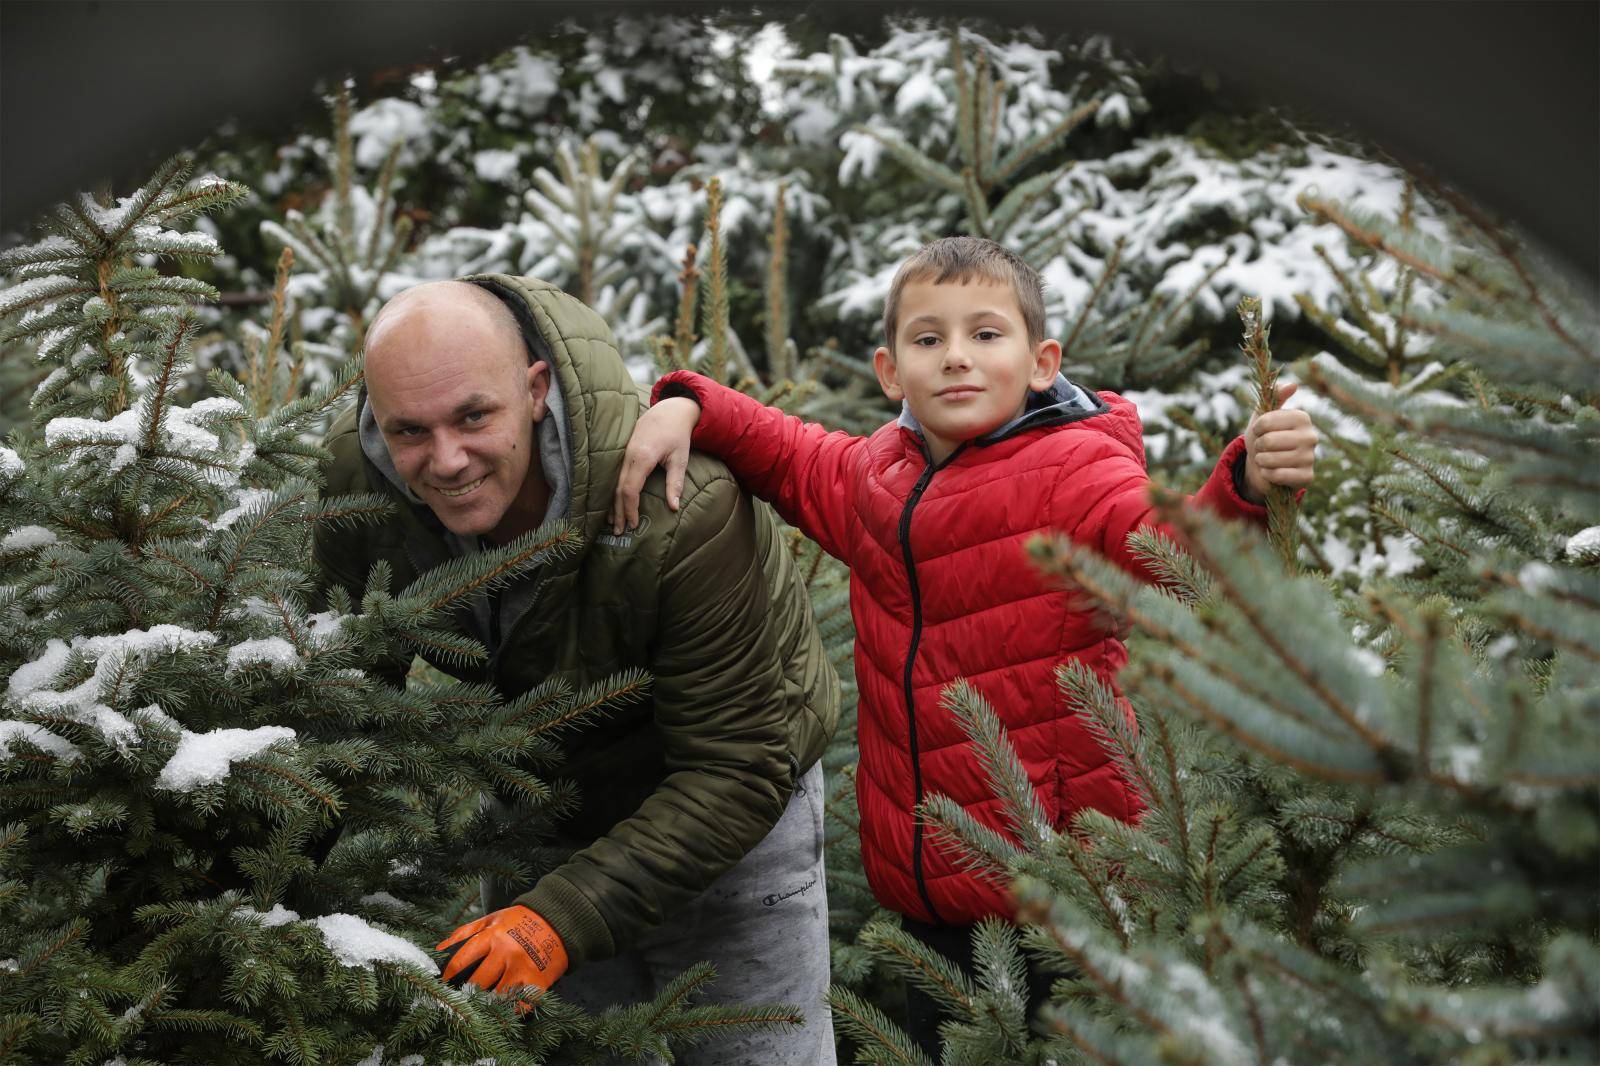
229	826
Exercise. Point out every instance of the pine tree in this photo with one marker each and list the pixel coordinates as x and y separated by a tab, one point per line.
347	252
227	827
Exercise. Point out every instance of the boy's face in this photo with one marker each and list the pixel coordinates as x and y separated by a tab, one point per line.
962	361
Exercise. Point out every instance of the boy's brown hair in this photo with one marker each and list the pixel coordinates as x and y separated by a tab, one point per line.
962	259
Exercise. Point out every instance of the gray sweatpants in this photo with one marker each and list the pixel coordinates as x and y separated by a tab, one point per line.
763	925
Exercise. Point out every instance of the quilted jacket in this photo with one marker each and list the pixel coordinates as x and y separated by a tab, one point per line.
941	589
677	787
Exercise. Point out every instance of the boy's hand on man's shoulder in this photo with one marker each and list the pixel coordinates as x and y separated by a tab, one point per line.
660	438
1280	449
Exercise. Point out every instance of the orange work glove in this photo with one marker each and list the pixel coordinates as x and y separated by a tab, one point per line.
505	949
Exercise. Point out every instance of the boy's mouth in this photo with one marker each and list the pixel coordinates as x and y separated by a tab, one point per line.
952	391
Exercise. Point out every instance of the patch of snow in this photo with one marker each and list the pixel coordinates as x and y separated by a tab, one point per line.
1464	761
525	84
11	465
35	289
278	915
273	652
111	654
207	758
154	715
1584	545
1537	577
355	943
1548	1001
27	537
378	127
246	499
180	432
496	164
1368	661
1501	647
39	737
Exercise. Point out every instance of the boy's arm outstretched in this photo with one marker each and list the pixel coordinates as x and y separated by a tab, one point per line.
1278	448
803	470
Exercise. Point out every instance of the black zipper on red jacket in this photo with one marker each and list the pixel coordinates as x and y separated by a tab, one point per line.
911	657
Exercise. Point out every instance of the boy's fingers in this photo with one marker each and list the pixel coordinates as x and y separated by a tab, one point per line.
1285	440
625	505
677	464
1286	389
1273	421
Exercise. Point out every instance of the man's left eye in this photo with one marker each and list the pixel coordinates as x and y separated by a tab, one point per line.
475	417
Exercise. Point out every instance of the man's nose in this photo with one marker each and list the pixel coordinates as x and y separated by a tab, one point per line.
449	457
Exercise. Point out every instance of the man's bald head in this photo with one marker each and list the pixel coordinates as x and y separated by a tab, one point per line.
447	308
452	391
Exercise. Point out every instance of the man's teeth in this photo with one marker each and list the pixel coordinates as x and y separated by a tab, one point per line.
463	490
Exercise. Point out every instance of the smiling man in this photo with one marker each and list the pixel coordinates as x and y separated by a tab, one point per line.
494	404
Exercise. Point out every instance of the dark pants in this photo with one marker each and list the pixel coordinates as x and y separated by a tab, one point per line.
954	942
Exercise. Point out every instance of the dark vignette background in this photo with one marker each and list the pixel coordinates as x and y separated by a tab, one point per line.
1500	98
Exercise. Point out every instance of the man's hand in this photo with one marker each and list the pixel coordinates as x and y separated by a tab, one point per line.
504	950
660	438
1280	448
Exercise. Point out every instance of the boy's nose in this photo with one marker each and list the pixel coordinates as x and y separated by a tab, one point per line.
956	359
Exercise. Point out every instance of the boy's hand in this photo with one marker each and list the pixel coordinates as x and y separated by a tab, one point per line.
660	438
1280	448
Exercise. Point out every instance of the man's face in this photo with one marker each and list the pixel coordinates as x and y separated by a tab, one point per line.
962	361
457	403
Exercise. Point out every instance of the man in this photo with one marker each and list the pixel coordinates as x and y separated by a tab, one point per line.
491	405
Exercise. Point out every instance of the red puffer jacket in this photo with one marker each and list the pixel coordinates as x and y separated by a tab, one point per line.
940	589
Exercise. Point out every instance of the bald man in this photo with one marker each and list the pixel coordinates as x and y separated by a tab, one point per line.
495	404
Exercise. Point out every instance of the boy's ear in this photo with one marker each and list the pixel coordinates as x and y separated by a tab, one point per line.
889	374
1046	365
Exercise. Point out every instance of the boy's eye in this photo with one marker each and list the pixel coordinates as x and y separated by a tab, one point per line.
987	334
926	341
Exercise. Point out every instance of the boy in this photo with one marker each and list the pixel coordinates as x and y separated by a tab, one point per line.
930	513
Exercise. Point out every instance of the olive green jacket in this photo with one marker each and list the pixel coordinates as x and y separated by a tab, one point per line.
707	599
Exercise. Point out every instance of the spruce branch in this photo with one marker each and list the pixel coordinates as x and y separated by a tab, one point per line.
780	359
1283	528
882	1043
714	317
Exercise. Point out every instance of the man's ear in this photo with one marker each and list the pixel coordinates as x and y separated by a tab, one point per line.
888	374
1046	365
539	389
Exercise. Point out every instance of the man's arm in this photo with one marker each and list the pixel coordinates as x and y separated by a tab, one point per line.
722	720
803	470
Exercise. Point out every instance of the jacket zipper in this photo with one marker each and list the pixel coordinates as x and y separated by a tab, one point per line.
911	658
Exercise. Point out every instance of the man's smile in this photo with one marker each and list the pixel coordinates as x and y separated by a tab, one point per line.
463	490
